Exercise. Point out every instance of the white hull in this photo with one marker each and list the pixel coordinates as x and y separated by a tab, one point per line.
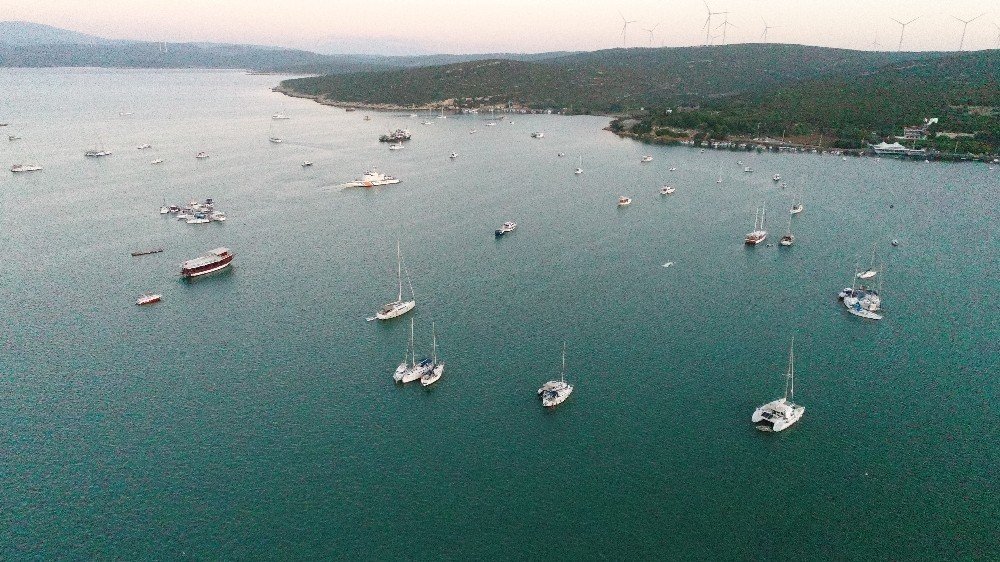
415	373
777	415
208	271
401	371
398	310
553	398
370	183
433	376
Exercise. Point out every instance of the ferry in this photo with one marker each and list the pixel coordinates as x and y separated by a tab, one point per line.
215	260
372	178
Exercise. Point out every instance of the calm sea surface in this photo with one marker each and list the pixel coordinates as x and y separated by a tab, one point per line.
252	414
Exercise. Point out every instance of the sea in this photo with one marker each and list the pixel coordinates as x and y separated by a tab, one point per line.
252	414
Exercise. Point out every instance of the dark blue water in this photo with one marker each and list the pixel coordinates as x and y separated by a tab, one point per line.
252	414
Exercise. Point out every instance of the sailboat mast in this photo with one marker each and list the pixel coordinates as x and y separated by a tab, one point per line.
413	350
763	209
790	385
434	345
399	271
562	376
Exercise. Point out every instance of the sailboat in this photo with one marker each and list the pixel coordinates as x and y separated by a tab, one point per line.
437	369
780	414
871	271
758	234
788	239
579	167
397	307
797	207
273	137
404	367
416	370
862	301
554	393
99	151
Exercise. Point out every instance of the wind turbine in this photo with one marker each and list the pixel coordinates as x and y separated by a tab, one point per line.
763	37
965	25
903	30
725	25
625	23
650	30
708	23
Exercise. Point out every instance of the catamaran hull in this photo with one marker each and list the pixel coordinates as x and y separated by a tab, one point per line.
433	376
397	311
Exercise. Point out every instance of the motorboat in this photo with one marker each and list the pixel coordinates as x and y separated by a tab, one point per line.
505	228
217	216
646	158
148	298
276	140
13	137
782	413
624	201
673	169
396	146
280	117
18	168
157	161
99	153
747	169
164	210
667	190
796	209
453	155
306	163
776	177
537	135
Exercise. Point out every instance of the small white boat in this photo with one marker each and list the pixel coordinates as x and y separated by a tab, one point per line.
217	216
426	123
505	228
537	135
624	201
554	393
157	161
97	153
776	177
201	155
747	169
578	171
453	155
895	242
867	274
673	169
280	116
164	210
646	158
18	168
143	147
396	146
472	131
780	414
579	167
560	154
276	140
199	220
13	138
796	209
667	190
491	124
788	239
148	298
306	163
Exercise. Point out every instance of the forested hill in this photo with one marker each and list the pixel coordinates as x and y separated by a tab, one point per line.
605	81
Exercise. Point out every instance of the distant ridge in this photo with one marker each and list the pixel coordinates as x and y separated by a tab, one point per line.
26	33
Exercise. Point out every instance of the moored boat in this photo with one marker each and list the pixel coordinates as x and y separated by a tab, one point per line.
780	414
624	201
646	158
758	234
667	190
201	155
554	393
18	168
505	228
214	260
372	178
148	298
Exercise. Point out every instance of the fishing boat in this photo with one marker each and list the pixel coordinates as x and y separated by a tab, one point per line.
19	168
398	307
646	158
624	201
780	414
505	228
437	368
148	298
215	260
554	393
758	234
667	190
372	178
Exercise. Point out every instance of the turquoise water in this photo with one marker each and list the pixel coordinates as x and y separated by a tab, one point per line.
252	414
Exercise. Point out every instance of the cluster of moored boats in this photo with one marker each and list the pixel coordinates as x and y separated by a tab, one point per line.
195	212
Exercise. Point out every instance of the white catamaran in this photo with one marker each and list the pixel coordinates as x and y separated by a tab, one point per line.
397	307
783	412
554	393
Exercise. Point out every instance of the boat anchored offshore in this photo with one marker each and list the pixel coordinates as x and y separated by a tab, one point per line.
537	135
398	307
667	190
215	260
758	234
646	158
554	393
148	298
437	368
862	301
505	228
788	239
624	201
372	178
780	414
18	168
201	155
97	153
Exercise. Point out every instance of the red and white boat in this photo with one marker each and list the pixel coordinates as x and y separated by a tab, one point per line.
148	298
758	234
215	260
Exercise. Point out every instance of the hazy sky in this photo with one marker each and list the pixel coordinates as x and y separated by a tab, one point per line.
474	26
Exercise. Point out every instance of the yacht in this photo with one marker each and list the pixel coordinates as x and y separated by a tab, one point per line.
437	368
418	370
758	234
372	178
780	414
861	300
579	167
624	201
667	190
17	168
397	307
646	158
788	239
404	371
505	228
554	393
